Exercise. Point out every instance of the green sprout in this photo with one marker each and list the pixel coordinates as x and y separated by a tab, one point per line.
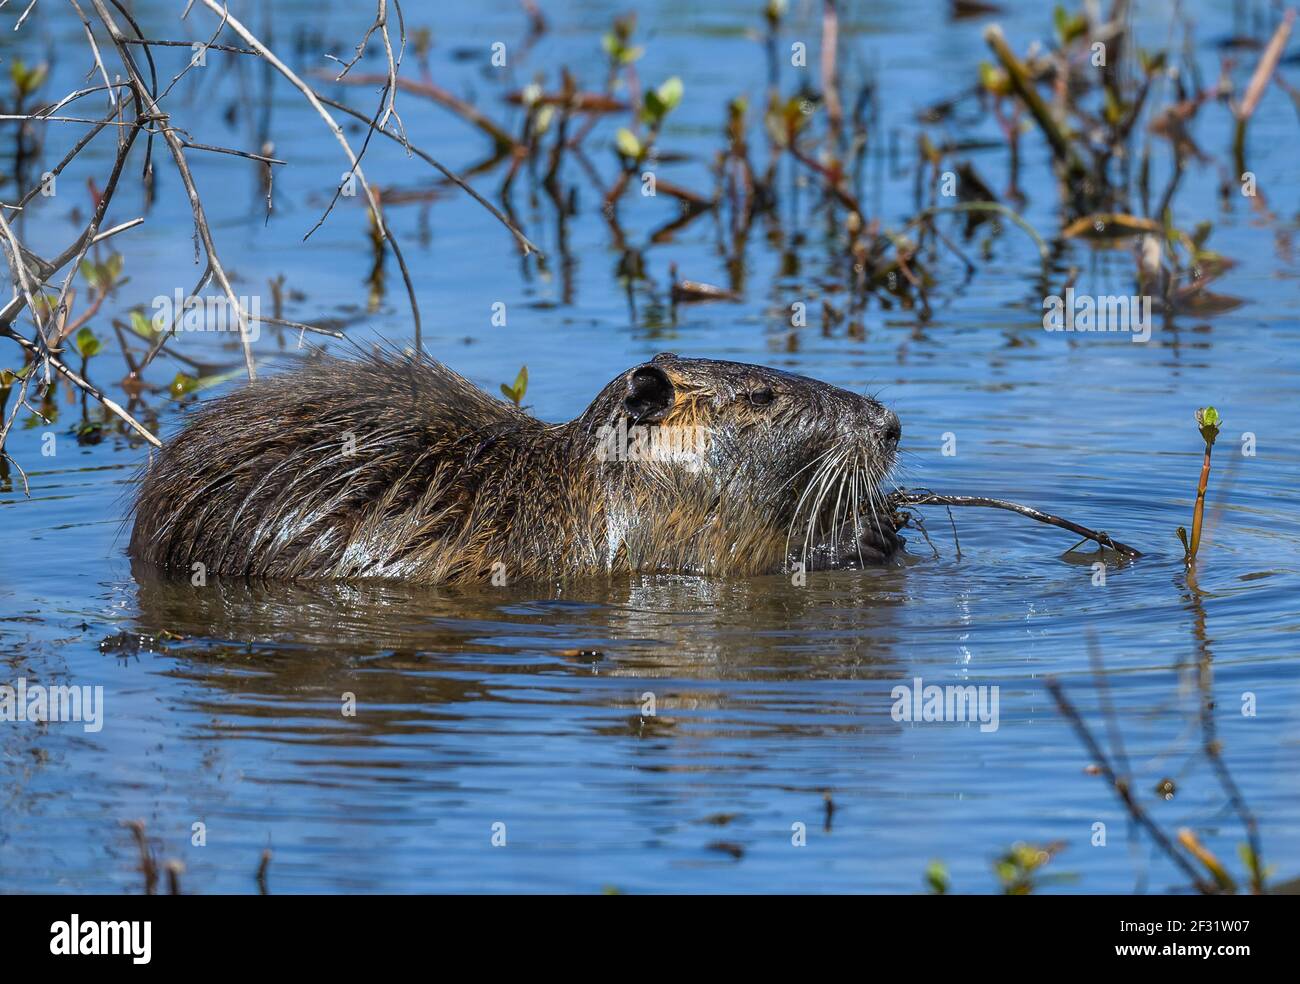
936	878
661	101
617	42
774	11
1018	869
102	277
515	393
182	386
628	144
1069	27
1208	421
27	80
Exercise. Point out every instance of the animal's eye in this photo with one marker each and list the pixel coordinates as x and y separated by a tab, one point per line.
761	397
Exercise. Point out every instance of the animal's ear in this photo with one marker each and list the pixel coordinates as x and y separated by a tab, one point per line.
649	394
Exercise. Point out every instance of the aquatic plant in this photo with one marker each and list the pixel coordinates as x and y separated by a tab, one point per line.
1208	422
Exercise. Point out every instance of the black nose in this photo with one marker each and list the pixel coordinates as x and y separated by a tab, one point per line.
892	432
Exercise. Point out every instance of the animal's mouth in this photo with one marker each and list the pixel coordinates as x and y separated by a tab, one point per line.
852	547
871	545
842	520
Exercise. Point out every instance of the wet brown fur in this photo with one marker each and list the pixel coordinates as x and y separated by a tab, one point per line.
395	466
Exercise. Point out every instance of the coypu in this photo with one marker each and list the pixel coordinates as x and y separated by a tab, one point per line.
392	465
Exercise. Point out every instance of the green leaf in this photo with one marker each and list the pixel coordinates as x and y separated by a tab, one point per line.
89	272
87	344
1113	109
628	145
1209	422
183	385
1151	64
670	93
1068	28
542	121
1251	860
218	379
785	120
618	50
654	110
44	302
89	432
659	102
994	79
515	393
9	376
936	878
27	80
141	325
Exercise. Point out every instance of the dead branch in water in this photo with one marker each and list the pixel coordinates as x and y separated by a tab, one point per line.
148	857
262	866
1258	83
922	497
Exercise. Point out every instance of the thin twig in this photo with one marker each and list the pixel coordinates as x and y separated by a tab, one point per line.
904	497
249	38
527	244
85	387
182	166
11	310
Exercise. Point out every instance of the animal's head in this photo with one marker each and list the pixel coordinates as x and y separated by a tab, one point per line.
782	466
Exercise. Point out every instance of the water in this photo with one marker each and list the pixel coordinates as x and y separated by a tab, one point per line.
526	705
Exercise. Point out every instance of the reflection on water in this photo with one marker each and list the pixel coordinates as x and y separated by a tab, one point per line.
397	649
659	733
